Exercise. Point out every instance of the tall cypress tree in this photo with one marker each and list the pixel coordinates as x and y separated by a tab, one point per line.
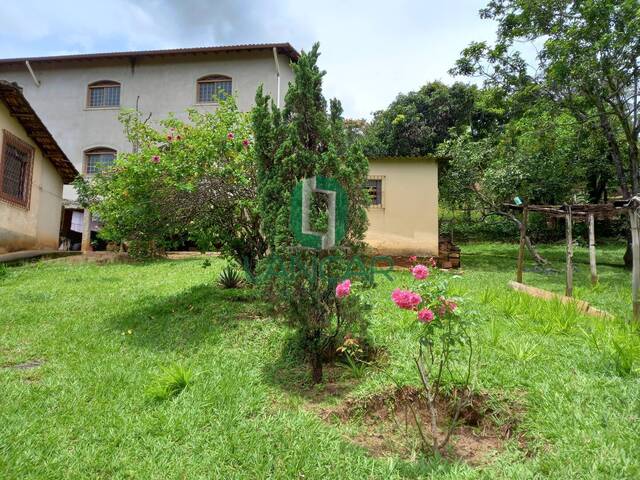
300	141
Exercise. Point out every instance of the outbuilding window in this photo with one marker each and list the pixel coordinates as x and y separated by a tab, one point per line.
16	167
104	94
97	159
212	88
374	187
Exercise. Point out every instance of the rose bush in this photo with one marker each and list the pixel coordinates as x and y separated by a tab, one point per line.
444	343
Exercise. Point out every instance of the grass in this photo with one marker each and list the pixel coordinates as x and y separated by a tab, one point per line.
104	334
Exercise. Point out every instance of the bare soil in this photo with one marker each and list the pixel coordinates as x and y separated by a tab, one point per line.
384	424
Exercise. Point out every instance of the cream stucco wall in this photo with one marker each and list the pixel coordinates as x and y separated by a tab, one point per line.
158	86
37	227
407	222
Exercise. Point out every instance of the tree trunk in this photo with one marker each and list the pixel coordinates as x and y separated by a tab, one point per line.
316	367
628	255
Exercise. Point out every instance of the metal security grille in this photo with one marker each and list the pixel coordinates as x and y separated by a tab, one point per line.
99	161
104	96
210	91
15	172
375	191
16	163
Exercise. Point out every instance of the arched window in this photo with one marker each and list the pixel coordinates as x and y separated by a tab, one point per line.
98	159
212	88
103	94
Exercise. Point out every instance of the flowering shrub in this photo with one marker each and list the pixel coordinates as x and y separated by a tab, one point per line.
444	344
183	180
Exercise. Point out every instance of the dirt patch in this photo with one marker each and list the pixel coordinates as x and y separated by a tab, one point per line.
29	364
100	258
104	258
384	424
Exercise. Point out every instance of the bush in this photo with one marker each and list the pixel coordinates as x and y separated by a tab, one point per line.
192	180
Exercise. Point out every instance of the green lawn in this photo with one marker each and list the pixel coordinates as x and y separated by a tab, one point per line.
85	411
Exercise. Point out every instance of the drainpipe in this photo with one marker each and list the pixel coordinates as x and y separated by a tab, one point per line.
275	59
33	75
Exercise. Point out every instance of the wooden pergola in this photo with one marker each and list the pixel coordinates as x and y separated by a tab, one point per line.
586	213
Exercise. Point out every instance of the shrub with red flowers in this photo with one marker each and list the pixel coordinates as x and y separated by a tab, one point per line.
444	345
191	179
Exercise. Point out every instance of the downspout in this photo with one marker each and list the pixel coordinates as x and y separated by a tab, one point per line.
275	59
33	75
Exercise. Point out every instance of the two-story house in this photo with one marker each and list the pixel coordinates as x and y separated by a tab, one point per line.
79	96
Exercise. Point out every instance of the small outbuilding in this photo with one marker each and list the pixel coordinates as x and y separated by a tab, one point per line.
403	215
33	169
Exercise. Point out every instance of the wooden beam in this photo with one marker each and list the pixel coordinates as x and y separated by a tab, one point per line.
569	235
523	235
592	250
580	305
635	275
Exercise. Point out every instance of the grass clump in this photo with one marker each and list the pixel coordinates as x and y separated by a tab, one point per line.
170	383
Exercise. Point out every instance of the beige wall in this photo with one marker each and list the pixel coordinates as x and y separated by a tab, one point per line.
39	226
407	222
159	86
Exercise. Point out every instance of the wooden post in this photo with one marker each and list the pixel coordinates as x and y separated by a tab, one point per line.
592	250
635	247
523	235
86	231
568	221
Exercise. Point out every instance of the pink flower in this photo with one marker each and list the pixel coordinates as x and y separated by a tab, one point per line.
420	272
245	142
169	137
446	306
425	315
413	259
432	262
155	159
343	289
230	135
406	299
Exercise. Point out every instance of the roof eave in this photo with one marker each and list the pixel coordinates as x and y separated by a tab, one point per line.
18	106
282	48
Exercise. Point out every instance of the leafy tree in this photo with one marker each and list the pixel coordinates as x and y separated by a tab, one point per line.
191	179
541	156
587	63
417	122
301	141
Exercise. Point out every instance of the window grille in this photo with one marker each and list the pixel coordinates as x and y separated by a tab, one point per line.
97	161
16	165
103	95
374	187
212	89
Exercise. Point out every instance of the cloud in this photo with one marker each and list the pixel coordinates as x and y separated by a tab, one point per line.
372	50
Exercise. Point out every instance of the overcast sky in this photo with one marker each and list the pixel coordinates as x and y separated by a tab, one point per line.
372	50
